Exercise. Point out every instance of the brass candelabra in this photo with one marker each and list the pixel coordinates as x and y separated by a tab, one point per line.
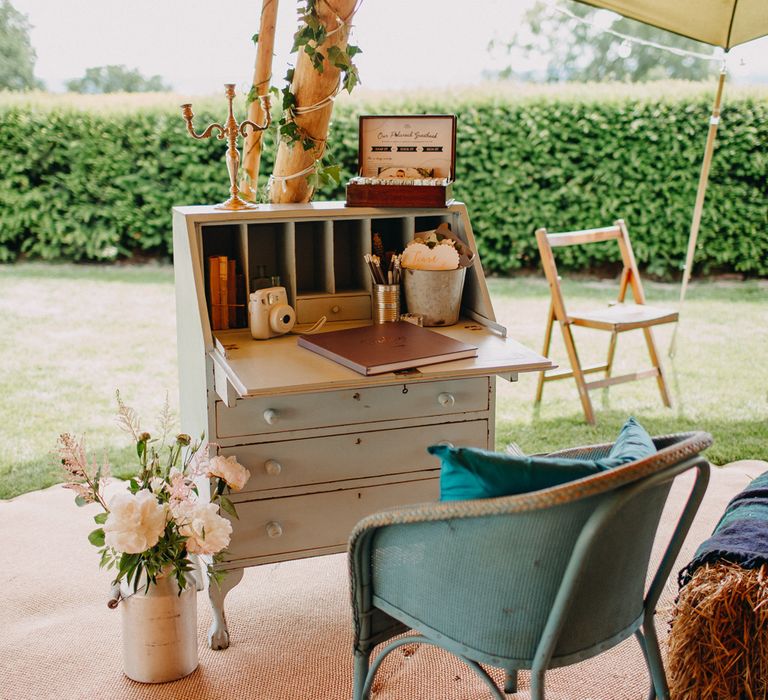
230	131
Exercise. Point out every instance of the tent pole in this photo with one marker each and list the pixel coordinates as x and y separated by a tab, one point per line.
714	121
262	77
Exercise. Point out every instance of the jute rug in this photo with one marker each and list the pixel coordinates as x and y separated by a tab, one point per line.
290	623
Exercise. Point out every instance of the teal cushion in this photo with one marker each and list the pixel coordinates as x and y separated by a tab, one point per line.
469	472
633	443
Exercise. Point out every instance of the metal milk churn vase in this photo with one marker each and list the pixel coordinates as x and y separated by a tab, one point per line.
159	631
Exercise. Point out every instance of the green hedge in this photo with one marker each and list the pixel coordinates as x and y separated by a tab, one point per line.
82	183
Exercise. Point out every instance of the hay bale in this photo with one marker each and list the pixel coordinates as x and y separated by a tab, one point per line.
718	643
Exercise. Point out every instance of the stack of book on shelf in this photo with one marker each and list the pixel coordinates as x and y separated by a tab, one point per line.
226	293
386	347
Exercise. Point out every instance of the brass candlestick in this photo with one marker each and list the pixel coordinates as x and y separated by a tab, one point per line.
230	131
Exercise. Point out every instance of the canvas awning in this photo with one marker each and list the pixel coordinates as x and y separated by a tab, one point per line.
724	23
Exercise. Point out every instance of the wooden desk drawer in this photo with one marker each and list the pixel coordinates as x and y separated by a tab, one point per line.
339	307
277	465
299	523
275	414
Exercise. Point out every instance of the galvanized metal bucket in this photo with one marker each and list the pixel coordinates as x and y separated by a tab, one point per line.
435	295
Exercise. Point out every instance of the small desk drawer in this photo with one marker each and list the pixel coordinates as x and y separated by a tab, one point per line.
299	523
275	414
339	307
276	465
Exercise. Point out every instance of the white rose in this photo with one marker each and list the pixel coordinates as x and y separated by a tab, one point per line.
206	531
236	475
135	522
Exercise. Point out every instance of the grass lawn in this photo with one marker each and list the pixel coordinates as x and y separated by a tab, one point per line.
73	334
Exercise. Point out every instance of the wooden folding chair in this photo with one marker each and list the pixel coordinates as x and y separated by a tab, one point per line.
615	319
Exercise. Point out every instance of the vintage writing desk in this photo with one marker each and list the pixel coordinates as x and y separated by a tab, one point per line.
325	445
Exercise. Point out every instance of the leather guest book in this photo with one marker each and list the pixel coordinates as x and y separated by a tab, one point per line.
386	347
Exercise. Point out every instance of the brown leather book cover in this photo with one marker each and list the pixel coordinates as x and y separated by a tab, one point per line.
231	294
213	291
223	296
386	347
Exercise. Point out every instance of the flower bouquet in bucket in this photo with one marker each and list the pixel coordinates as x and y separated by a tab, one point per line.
151	532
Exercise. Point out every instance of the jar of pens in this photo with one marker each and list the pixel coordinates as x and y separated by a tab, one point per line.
385	279
432	269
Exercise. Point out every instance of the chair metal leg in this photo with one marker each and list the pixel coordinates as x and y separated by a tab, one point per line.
360	673
578	375
641	642
545	350
660	380
537	684
510	682
653	655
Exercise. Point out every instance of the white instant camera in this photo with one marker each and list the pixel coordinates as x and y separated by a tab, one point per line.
269	313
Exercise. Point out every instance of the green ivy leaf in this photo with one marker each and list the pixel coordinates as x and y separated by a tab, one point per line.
333	172
255	38
351	79
101	518
80	501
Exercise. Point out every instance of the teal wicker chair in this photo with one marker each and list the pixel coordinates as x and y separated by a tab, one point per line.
532	581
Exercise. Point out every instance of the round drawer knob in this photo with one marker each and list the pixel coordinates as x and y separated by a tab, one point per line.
446	400
271	416
335	309
273	467
274	529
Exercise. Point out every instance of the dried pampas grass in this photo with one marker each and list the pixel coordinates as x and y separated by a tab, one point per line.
718	643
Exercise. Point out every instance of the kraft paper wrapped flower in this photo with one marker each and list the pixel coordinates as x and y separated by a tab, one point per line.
419	256
135	522
228	468
206	531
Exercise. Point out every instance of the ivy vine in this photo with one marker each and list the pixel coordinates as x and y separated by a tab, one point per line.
309	37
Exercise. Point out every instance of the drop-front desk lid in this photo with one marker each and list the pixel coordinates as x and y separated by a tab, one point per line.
280	366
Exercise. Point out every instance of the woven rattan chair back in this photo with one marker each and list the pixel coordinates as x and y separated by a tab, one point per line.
617	318
532	581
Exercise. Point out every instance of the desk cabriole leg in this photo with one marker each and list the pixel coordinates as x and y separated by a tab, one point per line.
218	634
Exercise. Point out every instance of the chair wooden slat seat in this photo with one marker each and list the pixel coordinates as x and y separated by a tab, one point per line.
623	317
615	318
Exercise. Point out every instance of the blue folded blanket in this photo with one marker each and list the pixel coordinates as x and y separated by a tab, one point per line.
741	536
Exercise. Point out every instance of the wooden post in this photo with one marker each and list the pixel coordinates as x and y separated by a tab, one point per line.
714	122
262	75
313	92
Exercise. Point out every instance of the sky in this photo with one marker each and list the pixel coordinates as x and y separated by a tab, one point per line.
198	46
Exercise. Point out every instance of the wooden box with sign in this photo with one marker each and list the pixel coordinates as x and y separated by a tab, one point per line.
405	161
